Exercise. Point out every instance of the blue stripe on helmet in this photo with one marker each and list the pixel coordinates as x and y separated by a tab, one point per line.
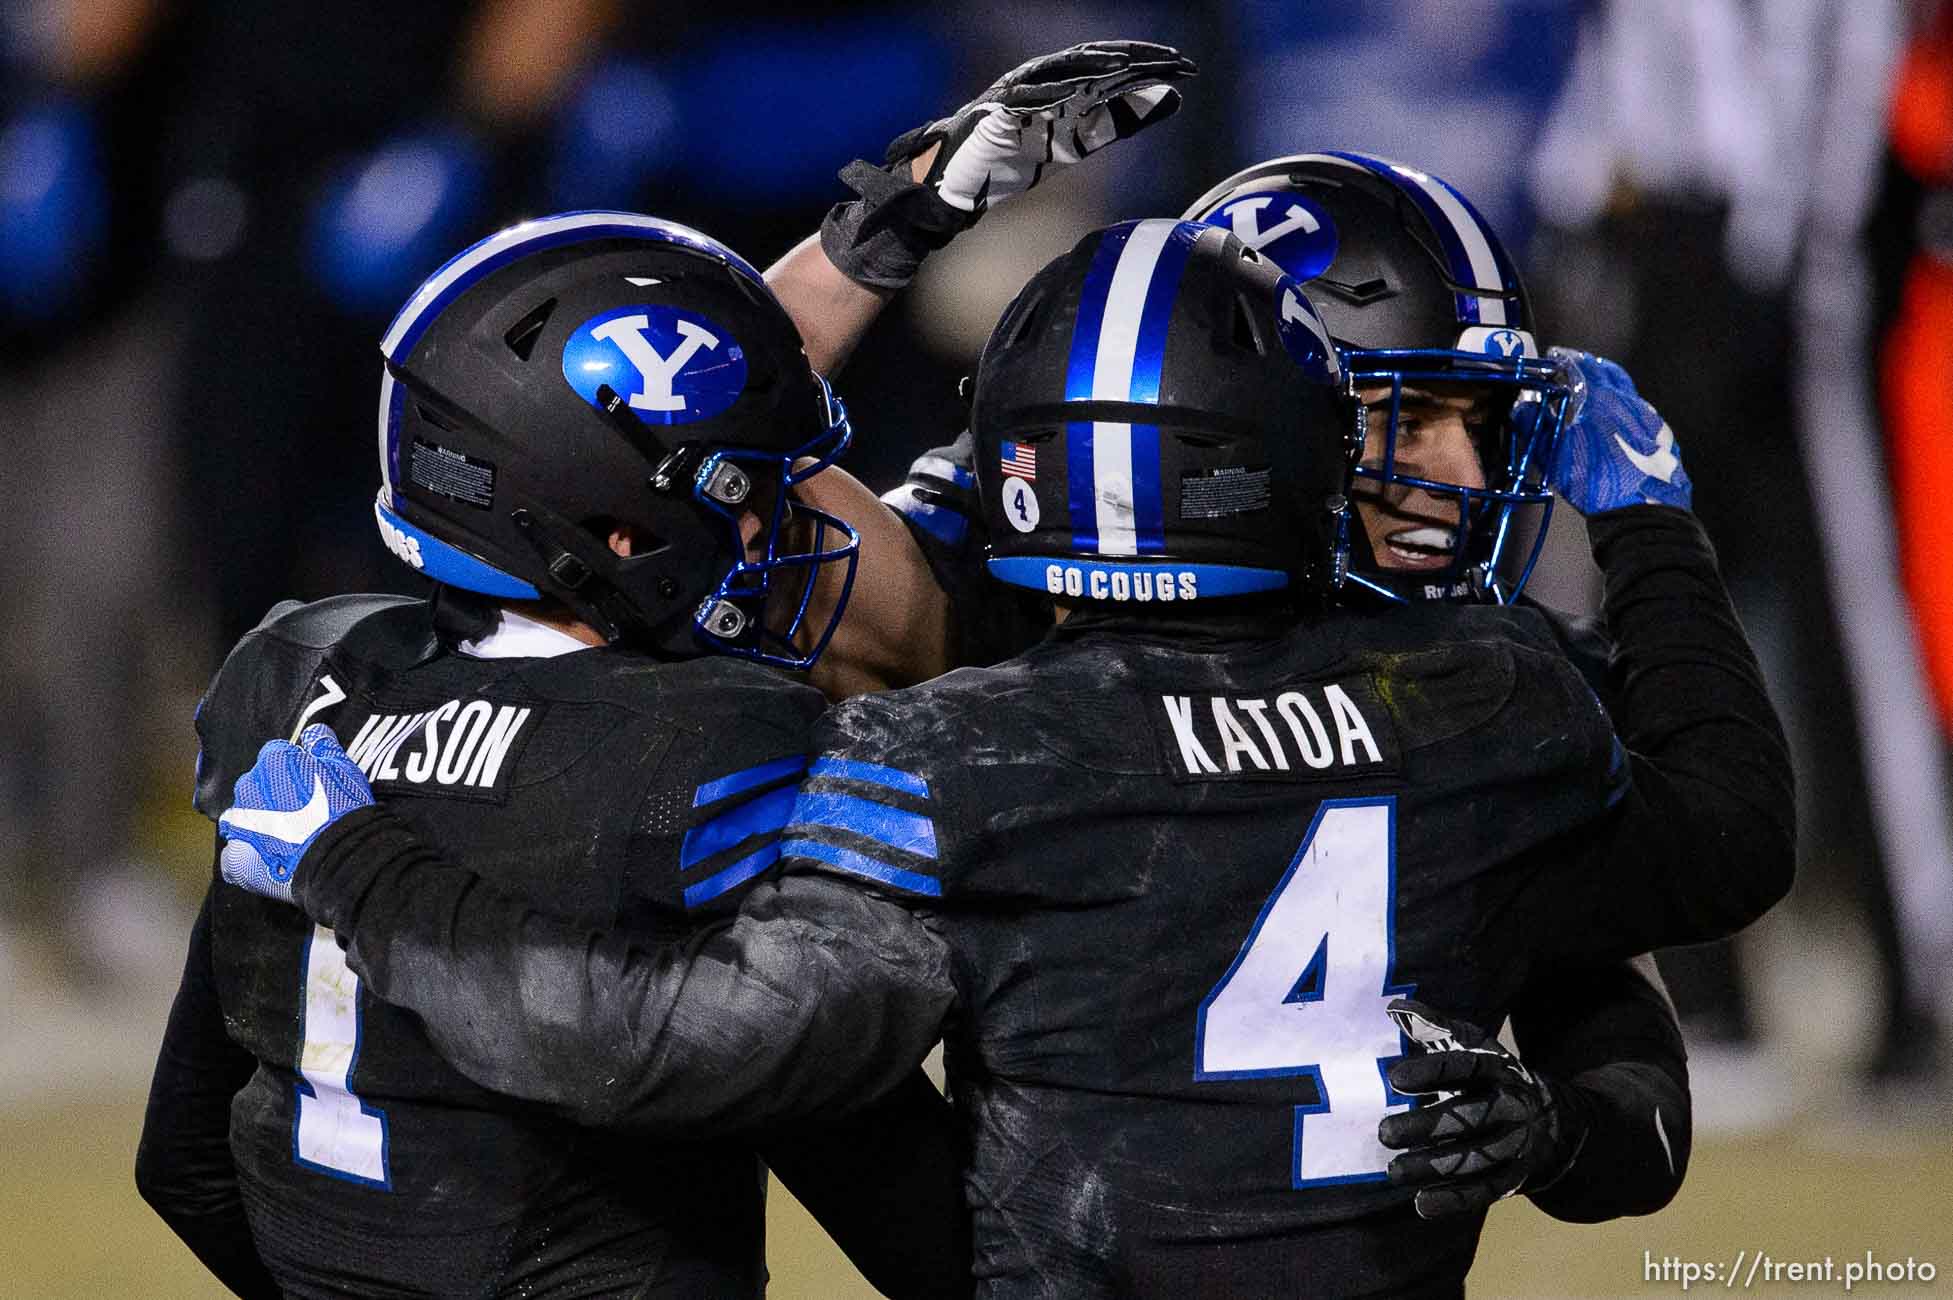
1149	359
1456	257
1148	501
445	562
472	264
1081	481
1149	353
1080	473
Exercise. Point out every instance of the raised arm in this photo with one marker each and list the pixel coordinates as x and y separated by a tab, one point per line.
1702	837
940	178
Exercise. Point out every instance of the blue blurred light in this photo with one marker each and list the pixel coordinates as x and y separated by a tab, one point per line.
53	206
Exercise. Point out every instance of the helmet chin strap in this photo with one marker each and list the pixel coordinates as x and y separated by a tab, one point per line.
577	579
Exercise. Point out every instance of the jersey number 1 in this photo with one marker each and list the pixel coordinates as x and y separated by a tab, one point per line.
1306	994
334	1132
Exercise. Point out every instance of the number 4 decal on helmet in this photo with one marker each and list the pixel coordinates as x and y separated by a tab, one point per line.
1306	994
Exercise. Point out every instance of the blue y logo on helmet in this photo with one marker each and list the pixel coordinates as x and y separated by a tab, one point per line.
671	366
1290	230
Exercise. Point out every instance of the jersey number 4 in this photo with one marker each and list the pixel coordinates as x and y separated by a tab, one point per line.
1306	994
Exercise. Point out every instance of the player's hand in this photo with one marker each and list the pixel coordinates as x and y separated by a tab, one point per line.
1615	450
291	794
1497	1129
1054	110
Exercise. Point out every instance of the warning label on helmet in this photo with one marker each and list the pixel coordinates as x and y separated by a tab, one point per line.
1212	493
452	474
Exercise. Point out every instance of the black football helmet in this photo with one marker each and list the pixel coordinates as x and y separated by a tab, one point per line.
1158	418
583	372
1417	290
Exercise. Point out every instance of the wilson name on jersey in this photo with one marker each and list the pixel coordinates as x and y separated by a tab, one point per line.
460	747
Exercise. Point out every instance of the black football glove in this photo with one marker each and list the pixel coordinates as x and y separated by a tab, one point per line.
1050	112
1498	1128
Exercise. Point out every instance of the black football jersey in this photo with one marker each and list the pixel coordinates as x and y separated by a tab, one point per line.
609	789
1180	868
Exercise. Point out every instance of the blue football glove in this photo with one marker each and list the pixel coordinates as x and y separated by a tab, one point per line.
1497	1129
386	220
281	805
1615	450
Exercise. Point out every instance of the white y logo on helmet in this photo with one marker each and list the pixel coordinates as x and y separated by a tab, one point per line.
1244	218
657	370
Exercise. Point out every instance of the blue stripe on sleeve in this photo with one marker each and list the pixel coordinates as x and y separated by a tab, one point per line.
737	874
855	770
858	864
943	468
713	791
949	527
764	815
908	831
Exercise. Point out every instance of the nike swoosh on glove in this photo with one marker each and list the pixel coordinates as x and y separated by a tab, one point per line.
1497	1129
1615	450
1055	109
279	807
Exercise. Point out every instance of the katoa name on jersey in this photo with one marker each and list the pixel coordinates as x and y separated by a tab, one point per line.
1279	732
457	744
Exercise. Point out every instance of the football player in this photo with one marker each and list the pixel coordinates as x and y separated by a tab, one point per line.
1420	291
588	429
1165	877
589	708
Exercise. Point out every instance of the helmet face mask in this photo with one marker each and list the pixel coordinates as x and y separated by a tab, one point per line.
574	376
760	608
1420	295
1512	415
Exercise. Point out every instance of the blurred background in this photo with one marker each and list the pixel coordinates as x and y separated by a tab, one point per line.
210	208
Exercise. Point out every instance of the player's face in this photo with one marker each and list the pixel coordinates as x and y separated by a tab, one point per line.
1439	435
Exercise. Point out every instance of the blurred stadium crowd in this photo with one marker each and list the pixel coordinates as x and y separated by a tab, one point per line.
210	208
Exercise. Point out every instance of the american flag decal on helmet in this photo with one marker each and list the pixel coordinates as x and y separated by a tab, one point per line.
1021	459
